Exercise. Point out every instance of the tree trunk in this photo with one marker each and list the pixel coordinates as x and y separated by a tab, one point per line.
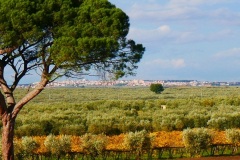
7	136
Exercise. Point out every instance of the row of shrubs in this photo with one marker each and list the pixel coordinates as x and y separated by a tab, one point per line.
117	122
137	143
197	140
91	145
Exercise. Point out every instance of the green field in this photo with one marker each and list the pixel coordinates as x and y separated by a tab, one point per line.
76	111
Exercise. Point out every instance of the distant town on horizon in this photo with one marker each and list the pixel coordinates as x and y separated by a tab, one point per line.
130	83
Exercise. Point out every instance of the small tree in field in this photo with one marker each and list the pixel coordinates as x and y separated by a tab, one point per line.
156	88
58	38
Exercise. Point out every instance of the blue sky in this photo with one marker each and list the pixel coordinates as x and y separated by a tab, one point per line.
186	39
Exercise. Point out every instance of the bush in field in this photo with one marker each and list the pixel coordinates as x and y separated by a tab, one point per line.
156	88
171	122
167	124
18	149
196	140
74	130
156	124
197	119
207	102
94	145
65	143
100	124
179	124
51	144
235	120
220	123
128	124
233	135
29	130
58	145
144	125
48	126
233	101
29	145
136	142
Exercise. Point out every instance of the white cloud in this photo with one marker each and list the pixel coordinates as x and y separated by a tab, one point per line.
167	63
186	11
164	34
164	29
155	13
151	35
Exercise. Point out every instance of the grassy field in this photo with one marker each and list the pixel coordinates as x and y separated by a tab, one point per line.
78	95
77	111
130	114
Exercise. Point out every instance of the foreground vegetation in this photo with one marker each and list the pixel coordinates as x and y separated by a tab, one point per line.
132	145
129	122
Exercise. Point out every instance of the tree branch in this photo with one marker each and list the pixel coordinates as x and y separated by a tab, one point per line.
29	96
10	101
3	105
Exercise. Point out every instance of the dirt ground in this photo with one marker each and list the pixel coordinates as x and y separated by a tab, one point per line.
213	158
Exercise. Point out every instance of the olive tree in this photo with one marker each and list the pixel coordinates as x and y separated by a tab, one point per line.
196	140
58	38
156	88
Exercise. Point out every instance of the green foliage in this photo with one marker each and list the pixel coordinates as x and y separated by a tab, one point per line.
71	36
197	140
136	142
156	88
51	144
220	123
76	111
94	145
233	135
233	100
29	130
18	150
208	102
58	145
29	145
75	130
48	127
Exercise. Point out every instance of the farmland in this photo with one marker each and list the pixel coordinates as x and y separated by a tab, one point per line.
135	112
77	111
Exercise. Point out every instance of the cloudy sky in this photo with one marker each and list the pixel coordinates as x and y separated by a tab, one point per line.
186	39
